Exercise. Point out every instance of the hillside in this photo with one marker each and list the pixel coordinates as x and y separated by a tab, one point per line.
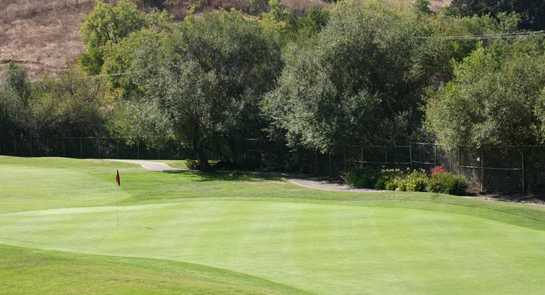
43	35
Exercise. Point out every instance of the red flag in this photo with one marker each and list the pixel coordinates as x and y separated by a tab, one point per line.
118	179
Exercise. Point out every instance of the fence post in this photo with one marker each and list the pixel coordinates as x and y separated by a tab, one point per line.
523	170
435	155
361	157
482	171
459	160
98	146
345	166
81	147
330	165
410	155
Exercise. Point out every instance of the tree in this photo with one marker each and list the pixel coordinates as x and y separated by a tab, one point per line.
353	85
68	105
15	94
208	78
423	7
107	24
532	11
495	98
438	52
287	26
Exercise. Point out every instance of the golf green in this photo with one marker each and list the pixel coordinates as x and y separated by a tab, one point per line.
302	240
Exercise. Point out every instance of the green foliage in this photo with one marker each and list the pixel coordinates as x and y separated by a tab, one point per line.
410	181
436	55
366	177
15	92
137	54
447	183
141	122
532	11
494	99
353	84
416	181
207	76
107	23
193	164
68	105
287	26
423	7
388	179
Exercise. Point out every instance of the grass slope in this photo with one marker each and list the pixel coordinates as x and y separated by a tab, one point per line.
321	242
25	271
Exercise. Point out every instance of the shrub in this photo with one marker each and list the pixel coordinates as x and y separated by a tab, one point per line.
438	170
447	183
388	179
416	181
413	181
192	164
393	184
362	177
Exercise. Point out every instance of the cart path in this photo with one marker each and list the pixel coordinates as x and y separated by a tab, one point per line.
150	165
327	186
303	182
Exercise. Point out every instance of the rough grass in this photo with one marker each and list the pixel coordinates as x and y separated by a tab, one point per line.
320	242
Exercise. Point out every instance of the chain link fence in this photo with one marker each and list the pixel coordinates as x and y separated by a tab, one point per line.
509	169
90	147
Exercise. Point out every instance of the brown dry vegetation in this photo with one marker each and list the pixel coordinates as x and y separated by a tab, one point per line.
43	35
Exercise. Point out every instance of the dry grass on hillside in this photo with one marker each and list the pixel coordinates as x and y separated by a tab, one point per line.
43	35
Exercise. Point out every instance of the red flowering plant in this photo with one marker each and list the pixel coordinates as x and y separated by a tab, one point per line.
438	170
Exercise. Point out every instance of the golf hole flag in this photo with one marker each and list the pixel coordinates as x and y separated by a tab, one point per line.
118	179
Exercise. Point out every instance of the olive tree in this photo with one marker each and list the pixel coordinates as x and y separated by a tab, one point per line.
496	98
207	77
353	84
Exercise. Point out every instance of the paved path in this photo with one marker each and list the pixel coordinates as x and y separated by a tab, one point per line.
150	165
327	186
307	183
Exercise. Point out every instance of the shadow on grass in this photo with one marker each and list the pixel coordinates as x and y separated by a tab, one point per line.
223	175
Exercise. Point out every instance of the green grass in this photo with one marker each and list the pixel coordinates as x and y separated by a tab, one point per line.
230	234
26	271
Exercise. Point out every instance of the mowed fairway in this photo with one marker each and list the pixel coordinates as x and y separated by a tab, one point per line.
67	229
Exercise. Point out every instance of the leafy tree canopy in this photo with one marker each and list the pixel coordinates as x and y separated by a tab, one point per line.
496	98
108	24
207	76
354	84
531	11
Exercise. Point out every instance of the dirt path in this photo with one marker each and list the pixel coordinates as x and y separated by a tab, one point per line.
150	165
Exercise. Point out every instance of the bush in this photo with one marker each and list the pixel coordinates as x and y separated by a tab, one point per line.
416	181
362	177
388	179
192	164
413	181
447	183
438	170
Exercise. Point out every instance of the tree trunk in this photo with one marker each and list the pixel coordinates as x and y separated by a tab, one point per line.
203	160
